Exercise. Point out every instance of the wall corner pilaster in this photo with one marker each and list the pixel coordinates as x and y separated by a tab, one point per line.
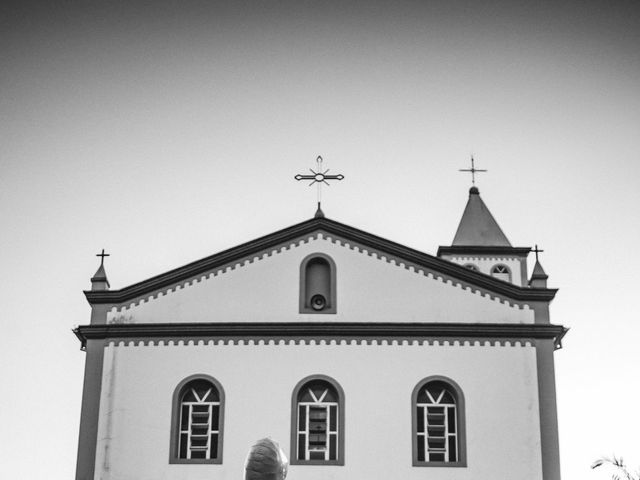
88	435
540	312
549	438
99	313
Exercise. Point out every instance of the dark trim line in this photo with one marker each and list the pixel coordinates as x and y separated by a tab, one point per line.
175	422
460	416
293	458
480	250
305	228
340	330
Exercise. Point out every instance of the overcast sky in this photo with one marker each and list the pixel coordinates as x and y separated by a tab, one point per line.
169	131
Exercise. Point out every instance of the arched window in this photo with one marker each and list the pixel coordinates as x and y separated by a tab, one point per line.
317	422
471	266
318	284
438	423
501	272
197	421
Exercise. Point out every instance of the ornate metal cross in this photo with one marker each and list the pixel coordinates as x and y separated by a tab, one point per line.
473	171
537	250
102	255
319	177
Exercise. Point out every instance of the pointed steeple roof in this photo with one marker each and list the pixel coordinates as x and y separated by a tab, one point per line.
538	271
99	280
538	276
477	226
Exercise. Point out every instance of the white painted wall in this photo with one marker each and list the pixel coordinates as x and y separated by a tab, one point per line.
503	436
369	289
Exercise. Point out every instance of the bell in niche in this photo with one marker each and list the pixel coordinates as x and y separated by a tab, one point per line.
317	284
318	302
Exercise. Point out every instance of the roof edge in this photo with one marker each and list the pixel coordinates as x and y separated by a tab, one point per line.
304	228
368	330
483	250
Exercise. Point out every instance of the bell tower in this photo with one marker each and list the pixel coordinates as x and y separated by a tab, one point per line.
480	244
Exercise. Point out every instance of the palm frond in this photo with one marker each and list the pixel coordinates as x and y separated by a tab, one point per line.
617	462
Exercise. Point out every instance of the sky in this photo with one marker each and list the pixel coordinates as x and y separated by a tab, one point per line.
165	132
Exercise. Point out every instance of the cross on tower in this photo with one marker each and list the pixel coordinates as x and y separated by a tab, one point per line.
473	171
536	251
102	255
319	177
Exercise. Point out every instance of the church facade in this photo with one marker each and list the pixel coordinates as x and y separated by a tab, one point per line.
362	357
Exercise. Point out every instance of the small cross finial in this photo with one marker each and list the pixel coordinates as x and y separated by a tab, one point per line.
473	171
319	177
102	255
536	251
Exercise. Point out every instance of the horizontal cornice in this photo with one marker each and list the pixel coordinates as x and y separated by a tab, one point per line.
330	227
320	330
482	250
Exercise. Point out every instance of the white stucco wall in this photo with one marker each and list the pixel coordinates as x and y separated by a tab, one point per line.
369	289
499	385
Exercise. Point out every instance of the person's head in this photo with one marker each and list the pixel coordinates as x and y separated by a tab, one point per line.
266	461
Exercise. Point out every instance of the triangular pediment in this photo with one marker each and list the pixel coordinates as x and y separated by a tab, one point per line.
369	265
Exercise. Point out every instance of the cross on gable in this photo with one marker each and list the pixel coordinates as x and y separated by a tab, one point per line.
319	177
102	255
473	171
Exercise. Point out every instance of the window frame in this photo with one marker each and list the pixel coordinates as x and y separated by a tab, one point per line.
332	301
508	272
176	404
456	392
293	457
